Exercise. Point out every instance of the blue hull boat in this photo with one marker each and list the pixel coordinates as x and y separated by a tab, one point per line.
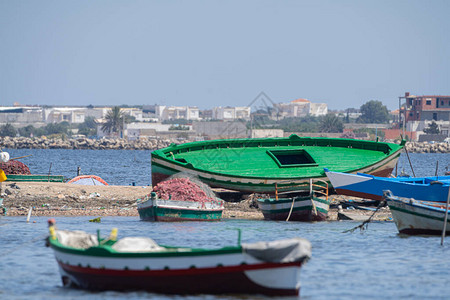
434	188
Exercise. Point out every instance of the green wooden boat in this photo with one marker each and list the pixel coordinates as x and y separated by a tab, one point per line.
257	165
35	178
293	206
155	209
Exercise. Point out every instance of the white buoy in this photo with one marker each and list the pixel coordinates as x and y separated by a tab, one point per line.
4	156
29	214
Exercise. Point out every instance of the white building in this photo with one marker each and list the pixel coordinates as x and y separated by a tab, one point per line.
64	114
231	113
299	108
134	112
176	112
21	115
138	130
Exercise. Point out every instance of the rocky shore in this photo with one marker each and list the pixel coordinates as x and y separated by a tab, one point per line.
84	143
423	147
149	144
62	199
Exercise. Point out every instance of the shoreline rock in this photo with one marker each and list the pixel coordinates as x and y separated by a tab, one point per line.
84	143
150	144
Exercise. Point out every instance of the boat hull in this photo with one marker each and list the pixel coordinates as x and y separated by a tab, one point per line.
258	165
175	210
417	218
35	178
245	269
234	279
304	209
372	187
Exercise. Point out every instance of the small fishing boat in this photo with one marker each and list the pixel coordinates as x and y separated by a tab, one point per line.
87	180
256	165
416	217
151	208
309	207
132	263
367	186
35	178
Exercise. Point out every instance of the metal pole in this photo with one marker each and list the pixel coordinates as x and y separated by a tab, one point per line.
410	164
444	229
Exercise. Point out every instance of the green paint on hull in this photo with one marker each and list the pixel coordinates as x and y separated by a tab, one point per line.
35	178
246	164
107	251
156	213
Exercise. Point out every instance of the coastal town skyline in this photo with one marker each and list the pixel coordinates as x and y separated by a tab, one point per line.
213	53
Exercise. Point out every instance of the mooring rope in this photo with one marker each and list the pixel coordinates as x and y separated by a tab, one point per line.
364	225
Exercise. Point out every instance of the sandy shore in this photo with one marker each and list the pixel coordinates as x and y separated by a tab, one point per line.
62	199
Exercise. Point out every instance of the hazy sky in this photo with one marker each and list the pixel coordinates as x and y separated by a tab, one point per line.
217	53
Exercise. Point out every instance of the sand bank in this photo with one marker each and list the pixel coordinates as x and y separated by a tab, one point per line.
63	199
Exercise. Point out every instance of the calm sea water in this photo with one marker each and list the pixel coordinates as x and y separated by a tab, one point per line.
125	167
373	264
116	167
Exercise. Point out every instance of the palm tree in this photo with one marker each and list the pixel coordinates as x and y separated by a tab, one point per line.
114	121
331	123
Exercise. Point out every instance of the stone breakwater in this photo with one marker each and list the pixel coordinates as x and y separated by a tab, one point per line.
84	143
149	144
416	147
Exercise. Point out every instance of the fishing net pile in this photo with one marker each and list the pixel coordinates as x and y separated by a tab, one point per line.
185	188
14	167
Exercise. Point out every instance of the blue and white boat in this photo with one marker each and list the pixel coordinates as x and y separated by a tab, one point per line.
434	188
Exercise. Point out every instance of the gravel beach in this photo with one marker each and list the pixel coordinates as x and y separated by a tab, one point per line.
63	199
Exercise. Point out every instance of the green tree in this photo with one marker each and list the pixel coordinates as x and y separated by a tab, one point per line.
57	128
433	128
114	121
331	123
27	131
88	127
8	130
373	112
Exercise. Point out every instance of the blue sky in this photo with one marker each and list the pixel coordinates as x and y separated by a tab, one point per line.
216	53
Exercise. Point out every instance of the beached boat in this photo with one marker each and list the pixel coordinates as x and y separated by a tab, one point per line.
256	165
35	178
151	208
415	217
312	206
87	180
89	262
434	188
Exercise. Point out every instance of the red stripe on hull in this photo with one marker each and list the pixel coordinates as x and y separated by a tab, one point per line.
190	281
359	194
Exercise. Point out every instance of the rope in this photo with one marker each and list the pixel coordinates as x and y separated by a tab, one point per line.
364	225
292	206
